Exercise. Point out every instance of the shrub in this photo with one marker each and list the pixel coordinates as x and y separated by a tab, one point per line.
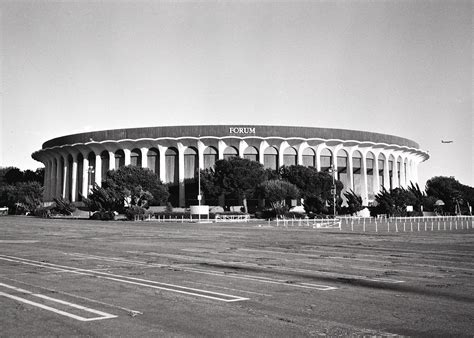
103	215
133	211
63	206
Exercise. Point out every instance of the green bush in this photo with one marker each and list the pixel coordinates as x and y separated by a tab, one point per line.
103	215
135	211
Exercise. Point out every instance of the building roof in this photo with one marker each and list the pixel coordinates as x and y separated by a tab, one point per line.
237	131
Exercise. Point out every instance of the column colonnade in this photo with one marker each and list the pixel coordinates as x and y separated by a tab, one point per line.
71	170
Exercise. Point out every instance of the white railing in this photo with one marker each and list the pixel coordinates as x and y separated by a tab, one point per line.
315	223
409	224
232	218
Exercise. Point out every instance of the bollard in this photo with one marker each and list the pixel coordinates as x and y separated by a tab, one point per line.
352	225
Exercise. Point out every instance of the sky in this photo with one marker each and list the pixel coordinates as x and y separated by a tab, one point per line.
402	68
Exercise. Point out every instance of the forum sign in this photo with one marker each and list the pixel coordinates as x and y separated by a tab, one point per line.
241	130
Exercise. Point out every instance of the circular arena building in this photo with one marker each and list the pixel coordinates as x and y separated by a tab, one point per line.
364	161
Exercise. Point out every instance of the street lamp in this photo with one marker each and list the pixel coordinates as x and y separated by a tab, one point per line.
333	171
89	185
90	171
199	176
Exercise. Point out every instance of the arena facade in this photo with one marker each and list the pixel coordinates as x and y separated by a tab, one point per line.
363	161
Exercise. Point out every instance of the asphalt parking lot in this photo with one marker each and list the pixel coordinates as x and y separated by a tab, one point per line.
90	278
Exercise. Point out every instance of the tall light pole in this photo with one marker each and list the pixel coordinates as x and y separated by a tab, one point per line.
90	171
89	185
199	175
333	171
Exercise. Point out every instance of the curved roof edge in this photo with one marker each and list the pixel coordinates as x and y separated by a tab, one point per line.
239	131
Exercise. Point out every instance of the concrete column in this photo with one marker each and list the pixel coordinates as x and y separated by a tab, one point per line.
416	162
261	151
182	191
375	177
52	191
46	181
127	153
144	152
319	149
98	170
301	149
162	154
65	177
200	148
350	165
395	172
242	146
74	194
221	145
364	191
85	176
111	160
410	170
281	153
335	150
386	173
403	181
59	182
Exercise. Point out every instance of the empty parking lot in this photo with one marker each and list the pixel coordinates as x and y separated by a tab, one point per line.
78	277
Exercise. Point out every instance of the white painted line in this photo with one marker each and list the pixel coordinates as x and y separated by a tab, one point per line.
102	315
131	280
223	287
227	275
18	241
128	310
321	287
385	280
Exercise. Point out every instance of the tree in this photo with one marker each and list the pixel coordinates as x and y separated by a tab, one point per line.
315	186
236	176
276	192
454	194
127	180
394	202
13	175
106	199
354	202
401	199
21	197
127	188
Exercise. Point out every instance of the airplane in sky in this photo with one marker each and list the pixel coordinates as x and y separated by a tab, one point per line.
442	141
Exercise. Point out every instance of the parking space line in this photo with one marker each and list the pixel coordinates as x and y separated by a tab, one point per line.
131	280
89	300
102	315
220	274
